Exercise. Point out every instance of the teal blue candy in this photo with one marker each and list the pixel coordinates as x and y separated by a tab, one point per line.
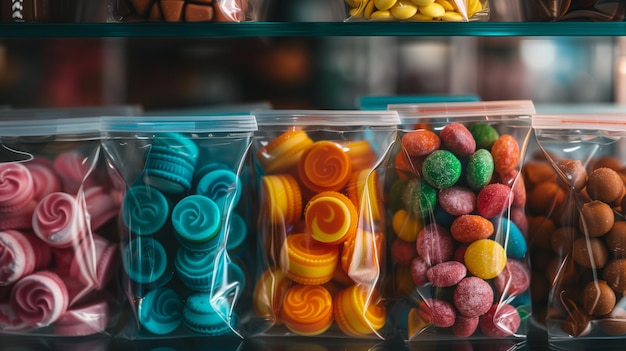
222	186
195	268
170	182
178	143
516	246
419	198
145	260
200	316
441	169
237	232
144	210
479	169
204	169
160	311
196	219
484	135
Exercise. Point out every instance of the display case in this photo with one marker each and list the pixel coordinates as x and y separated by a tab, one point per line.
305	64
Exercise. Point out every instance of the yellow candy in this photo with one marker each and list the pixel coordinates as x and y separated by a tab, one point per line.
452	16
473	7
485	258
354	3
403	9
369	9
356	12
405	226
433	10
384	4
381	15
421	17
423	2
447	5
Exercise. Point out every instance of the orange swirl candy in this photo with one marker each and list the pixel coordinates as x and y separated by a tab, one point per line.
360	153
283	152
308	309
307	261
361	257
363	191
324	167
282	198
357	312
330	218
269	292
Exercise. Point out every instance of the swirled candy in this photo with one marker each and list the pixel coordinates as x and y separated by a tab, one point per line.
196	219
307	309
324	167
161	311
144	210
330	217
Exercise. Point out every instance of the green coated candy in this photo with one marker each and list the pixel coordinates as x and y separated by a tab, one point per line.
441	169
419	198
479	169
484	135
395	195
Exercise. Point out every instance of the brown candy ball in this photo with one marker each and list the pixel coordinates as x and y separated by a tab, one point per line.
615	275
605	184
598	298
545	197
577	323
615	239
615	323
596	219
574	172
562	239
590	253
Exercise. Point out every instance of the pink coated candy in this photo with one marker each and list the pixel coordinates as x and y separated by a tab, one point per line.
493	200
446	274
402	251
441	313
473	296
20	255
73	168
87	319
465	326
59	220
418	271
16	187
94	262
459	253
45	180
458	139
457	200
501	320
21	219
9	321
39	299
514	279
434	244
101	207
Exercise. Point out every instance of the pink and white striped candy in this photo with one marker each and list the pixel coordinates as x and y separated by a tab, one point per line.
39	299
21	254
59	220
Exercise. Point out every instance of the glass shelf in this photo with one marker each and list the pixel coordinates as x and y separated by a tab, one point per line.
312	29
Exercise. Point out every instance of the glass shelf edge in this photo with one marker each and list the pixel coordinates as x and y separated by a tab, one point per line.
311	29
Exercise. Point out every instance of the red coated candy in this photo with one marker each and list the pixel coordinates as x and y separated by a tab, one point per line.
458	139
469	228
501	320
514	279
420	142
434	244
473	296
402	251
446	274
493	200
441	313
515	181
457	200
465	326
418	271
459	253
505	152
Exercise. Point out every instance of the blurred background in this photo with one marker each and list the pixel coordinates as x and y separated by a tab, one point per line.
310	72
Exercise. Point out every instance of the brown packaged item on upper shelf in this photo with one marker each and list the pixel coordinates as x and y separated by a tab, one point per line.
183	10
575	10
